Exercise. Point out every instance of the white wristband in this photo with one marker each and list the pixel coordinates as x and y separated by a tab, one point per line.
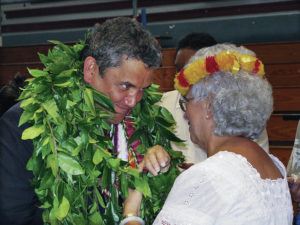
132	218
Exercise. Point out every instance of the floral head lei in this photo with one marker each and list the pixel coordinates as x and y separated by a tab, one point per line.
225	61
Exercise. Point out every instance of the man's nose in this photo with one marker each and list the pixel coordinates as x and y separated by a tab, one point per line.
133	98
130	101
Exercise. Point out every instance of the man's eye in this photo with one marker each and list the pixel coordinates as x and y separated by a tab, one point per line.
124	86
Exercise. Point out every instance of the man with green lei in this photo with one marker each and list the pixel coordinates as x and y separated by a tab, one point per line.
82	129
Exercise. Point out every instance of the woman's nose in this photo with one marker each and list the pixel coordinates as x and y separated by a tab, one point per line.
185	116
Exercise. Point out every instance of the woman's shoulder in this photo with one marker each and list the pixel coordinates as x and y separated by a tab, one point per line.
214	169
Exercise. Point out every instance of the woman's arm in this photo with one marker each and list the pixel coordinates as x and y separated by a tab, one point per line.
131	209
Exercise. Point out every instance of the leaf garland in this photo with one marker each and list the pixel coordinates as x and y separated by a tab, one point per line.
76	177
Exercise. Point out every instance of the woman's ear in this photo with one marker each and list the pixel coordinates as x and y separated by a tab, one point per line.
90	69
208	110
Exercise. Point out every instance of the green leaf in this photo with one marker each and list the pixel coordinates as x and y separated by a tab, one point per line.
47	181
32	132
84	137
141	185
37	73
70	104
76	150
64	47
46	205
51	107
103	101
89	100
92	140
112	214
78	47
114	163
170	135
63	209
52	215
67	73
136	135
106	177
167	115
43	58
29	165
25	117
96	219
163	122
98	157
27	102
99	197
69	164
64	84
53	164
79	219
124	184
133	171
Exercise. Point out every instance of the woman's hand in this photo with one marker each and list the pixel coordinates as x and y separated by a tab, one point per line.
156	160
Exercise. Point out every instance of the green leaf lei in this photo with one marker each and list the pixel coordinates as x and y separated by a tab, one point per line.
77	178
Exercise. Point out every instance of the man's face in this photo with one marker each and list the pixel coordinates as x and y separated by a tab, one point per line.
182	57
124	85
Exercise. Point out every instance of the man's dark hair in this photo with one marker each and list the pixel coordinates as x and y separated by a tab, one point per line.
9	93
196	41
121	37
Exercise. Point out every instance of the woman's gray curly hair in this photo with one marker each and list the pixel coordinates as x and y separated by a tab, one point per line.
241	104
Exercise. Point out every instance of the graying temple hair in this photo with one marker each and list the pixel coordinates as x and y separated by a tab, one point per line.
241	104
121	37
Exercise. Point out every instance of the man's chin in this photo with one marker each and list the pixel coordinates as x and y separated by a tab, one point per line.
118	118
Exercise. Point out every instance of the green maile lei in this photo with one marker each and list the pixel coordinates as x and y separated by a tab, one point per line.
77	178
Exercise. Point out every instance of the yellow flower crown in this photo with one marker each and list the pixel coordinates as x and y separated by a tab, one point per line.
225	61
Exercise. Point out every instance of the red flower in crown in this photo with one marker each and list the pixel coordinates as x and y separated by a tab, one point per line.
183	82
256	66
211	64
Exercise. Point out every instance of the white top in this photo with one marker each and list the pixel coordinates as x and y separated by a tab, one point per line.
191	151
226	190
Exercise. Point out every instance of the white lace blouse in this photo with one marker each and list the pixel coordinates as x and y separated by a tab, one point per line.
226	190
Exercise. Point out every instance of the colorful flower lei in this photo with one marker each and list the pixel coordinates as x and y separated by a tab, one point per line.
226	61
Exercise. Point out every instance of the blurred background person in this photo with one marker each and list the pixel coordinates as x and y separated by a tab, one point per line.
9	93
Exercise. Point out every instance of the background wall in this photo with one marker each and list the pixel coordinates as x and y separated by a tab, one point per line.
238	21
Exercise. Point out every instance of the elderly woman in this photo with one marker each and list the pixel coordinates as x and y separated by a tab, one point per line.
227	102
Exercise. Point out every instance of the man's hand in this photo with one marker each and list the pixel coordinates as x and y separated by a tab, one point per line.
156	160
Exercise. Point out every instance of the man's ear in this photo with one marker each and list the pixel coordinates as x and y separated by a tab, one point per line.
90	69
